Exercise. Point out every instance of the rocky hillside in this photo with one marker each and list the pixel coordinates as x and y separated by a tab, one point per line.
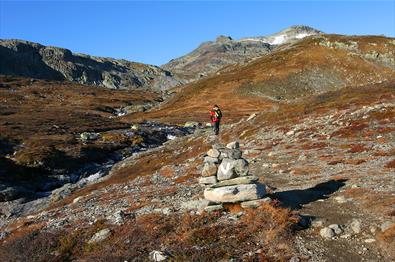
314	65
212	56
327	162
23	58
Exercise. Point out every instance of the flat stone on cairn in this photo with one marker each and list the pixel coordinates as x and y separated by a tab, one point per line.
226	175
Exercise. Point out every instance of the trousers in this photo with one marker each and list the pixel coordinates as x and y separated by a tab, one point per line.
216	127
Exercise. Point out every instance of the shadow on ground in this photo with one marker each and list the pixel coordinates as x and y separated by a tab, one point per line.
295	199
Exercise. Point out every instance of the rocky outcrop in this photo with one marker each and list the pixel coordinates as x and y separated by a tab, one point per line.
23	58
226	175
212	56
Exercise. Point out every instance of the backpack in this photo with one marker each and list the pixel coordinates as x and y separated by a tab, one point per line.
218	113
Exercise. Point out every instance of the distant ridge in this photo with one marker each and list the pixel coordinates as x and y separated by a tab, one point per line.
28	59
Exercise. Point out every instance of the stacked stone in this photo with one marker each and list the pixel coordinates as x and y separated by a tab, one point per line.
226	175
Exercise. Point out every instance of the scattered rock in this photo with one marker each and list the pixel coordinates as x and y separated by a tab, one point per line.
192	124
370	240
340	199
100	236
355	226
3	235
157	256
88	136
195	204
252	116
336	228
77	199
117	218
290	133
327	232
255	203
373	229
164	211
212	208
317	223
135	127
251	151
386	225
294	259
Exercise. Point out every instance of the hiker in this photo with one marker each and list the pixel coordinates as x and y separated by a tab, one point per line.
215	115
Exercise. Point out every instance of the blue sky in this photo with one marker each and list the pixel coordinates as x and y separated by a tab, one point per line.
156	31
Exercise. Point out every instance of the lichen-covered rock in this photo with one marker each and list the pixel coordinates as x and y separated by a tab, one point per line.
212	208
100	236
327	232
157	256
355	226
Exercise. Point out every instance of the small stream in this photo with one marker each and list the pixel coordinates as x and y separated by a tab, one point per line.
155	135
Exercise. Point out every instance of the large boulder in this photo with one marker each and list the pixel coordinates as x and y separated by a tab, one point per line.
236	193
231	168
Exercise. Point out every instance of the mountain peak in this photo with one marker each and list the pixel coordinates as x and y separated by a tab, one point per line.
223	38
300	29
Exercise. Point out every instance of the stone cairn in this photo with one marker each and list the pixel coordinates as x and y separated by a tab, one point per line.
226	177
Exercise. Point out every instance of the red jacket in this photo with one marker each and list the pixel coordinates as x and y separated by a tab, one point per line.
215	116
